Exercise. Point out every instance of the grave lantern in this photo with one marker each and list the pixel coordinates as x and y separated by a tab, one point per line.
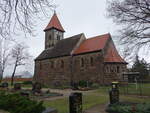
75	103
114	93
115	85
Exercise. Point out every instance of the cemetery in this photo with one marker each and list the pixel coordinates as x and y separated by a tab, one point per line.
79	56
48	100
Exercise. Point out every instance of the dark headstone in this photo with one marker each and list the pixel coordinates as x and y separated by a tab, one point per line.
26	94
75	103
36	87
75	86
17	86
4	85
50	110
114	93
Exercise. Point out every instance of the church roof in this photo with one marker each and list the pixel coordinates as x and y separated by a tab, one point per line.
92	44
112	55
64	47
54	23
99	43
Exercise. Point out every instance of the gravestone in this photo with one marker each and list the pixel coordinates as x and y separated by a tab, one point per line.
114	93
36	87
17	86
4	85
75	103
25	94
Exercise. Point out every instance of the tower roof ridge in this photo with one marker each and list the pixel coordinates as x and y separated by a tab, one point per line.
54	23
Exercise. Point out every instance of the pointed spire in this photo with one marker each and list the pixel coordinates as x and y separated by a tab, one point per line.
54	23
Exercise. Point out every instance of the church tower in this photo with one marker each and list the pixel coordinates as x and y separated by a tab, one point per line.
53	32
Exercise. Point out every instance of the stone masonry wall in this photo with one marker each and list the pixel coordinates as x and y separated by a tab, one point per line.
88	67
113	72
54	71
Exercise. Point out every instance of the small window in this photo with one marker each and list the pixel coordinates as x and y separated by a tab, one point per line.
118	69
58	37
82	62
50	37
52	64
62	64
91	61
107	69
111	69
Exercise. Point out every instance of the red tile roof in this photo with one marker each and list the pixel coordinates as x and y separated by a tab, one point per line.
92	44
112	55
54	23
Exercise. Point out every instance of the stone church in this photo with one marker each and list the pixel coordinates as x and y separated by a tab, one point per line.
70	60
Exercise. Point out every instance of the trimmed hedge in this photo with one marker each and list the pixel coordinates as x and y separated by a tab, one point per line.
15	103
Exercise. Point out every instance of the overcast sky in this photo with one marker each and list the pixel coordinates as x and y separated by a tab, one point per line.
76	16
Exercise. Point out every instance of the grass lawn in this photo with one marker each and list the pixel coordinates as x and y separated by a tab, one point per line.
88	101
99	96
144	89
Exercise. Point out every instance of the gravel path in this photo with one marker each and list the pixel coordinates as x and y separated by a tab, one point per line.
65	92
96	109
1	111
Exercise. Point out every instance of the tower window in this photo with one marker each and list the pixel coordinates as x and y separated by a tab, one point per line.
52	44
82	62
50	37
58	37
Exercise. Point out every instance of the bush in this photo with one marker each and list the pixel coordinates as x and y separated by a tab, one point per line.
15	103
126	108
83	83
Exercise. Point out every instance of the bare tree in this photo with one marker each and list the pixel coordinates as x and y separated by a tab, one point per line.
134	18
4	56
21	15
19	55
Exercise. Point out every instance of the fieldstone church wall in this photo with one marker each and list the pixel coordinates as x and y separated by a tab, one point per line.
56	71
88	67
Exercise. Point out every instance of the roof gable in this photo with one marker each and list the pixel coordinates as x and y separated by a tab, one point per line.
92	44
54	23
112	55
